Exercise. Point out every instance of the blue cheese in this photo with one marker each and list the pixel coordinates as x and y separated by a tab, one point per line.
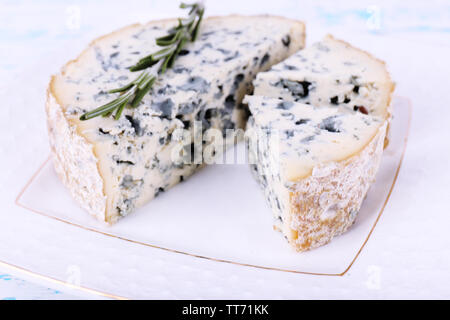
113	167
331	73
314	164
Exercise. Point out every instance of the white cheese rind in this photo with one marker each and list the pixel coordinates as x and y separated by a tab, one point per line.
314	187
326	204
126	172
74	161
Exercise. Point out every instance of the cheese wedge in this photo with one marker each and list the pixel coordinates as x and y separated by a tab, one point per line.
113	167
331	73
314	164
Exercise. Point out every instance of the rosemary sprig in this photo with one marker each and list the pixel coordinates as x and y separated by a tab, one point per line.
132	93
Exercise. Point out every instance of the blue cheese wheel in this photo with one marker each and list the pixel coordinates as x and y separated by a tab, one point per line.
314	164
113	167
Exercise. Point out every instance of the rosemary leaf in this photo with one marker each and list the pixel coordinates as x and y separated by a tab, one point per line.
177	37
141	93
124	88
119	110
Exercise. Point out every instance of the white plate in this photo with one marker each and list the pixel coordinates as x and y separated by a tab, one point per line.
211	229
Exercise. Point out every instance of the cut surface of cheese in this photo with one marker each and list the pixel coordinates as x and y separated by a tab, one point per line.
113	167
331	73
314	164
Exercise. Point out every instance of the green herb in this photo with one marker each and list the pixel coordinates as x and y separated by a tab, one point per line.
132	93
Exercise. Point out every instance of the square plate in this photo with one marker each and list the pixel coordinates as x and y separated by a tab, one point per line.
220	214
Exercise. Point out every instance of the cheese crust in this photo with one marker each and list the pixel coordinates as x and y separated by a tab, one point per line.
74	160
326	203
